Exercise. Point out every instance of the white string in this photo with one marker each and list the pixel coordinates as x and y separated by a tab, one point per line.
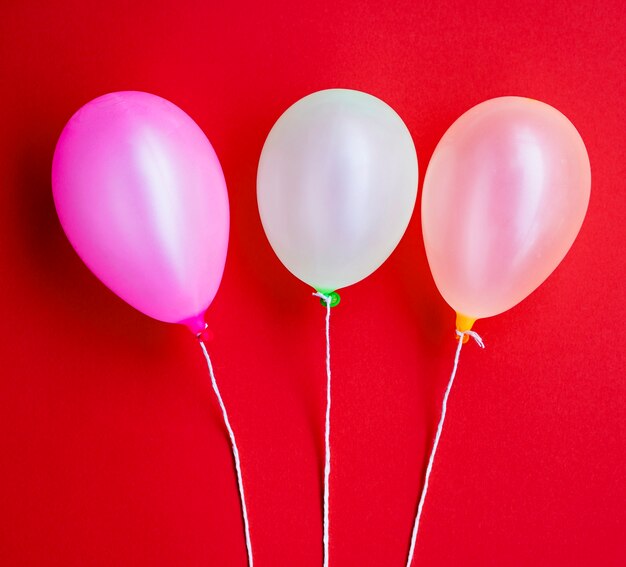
327	299
431	459
233	443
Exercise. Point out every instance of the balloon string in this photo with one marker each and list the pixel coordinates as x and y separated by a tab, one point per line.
327	299
233	442
431	459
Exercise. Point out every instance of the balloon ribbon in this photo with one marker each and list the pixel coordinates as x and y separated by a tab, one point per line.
444	406
233	443
328	300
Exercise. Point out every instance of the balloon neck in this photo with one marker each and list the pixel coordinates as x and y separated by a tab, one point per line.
464	323
335	298
195	324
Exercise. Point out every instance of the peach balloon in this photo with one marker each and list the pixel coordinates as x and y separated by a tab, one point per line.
505	194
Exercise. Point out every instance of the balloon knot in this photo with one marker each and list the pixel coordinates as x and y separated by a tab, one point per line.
205	334
465	336
332	298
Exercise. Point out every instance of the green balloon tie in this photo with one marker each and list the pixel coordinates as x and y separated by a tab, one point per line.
335	298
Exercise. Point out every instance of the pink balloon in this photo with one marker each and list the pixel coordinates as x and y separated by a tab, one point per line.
142	198
505	195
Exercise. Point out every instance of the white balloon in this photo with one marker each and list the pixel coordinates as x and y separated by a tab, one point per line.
336	186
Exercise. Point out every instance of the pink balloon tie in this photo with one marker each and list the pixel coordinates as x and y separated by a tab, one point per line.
327	299
431	459
233	443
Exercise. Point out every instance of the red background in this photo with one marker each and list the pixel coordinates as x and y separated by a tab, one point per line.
112	451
